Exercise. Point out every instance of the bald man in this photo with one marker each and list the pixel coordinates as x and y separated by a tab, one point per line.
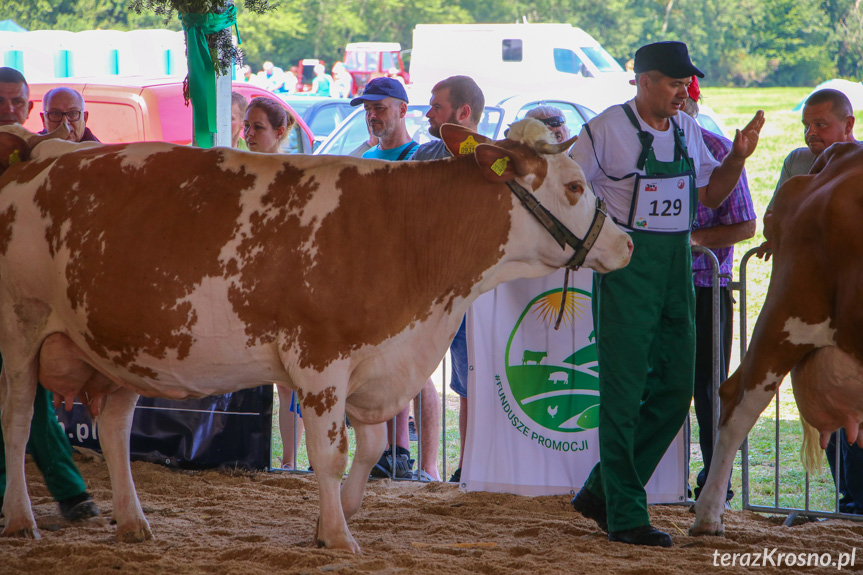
48	444
65	105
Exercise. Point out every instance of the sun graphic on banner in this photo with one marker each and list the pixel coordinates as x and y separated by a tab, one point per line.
547	307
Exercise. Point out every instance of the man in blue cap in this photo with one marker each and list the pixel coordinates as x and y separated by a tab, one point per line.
650	165
386	104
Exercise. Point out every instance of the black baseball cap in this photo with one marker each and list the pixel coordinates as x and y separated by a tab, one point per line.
670	58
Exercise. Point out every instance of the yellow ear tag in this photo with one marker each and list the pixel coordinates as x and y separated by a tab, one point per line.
467	147
499	166
15	157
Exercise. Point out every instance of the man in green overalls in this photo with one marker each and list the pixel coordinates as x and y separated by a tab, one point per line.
649	163
47	443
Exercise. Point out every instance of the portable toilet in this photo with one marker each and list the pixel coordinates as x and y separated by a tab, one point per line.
165	49
105	53
41	55
12	49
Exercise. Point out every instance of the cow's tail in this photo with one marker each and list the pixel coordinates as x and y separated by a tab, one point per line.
811	453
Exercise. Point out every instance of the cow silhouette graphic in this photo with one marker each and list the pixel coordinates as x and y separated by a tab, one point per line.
534	356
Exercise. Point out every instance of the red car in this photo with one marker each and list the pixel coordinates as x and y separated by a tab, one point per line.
136	109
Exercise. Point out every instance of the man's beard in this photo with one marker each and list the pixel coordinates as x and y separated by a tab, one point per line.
435	130
378	130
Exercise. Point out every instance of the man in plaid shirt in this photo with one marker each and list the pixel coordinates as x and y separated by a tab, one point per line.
717	230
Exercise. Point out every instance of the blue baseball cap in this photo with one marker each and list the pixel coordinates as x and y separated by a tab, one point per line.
381	88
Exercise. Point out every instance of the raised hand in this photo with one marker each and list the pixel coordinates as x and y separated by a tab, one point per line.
746	140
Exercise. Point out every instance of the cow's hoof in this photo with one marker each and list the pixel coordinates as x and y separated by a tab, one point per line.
707	529
347	543
22	532
136	534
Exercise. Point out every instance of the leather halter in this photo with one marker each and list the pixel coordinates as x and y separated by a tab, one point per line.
562	235
560	232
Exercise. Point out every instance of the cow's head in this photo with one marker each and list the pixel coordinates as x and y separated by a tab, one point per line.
16	143
530	157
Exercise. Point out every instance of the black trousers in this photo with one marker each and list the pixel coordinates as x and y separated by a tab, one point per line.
851	476
703	393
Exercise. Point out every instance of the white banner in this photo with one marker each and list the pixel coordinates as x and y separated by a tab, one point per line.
533	394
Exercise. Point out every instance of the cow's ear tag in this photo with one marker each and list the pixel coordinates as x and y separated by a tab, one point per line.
499	165
467	147
15	157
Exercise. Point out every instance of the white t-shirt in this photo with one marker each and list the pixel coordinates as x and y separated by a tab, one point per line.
618	148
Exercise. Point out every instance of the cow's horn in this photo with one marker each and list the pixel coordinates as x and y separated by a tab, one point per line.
61	133
548	148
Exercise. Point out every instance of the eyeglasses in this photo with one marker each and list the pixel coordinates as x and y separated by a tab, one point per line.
554	121
57	116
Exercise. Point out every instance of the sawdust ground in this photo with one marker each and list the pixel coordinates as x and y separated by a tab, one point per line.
262	523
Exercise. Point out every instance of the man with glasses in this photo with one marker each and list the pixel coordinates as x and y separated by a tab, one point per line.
47	443
65	105
553	119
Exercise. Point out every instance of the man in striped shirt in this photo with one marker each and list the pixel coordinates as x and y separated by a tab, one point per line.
718	230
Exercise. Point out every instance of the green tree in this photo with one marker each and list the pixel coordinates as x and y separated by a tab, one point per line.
846	17
78	15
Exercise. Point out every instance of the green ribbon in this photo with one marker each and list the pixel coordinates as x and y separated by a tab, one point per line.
202	71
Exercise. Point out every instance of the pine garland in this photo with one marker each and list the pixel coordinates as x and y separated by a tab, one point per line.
221	46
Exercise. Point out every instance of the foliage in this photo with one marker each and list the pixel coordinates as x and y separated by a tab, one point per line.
78	15
221	44
167	8
735	42
322	28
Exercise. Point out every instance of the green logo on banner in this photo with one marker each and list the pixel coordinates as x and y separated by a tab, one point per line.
557	393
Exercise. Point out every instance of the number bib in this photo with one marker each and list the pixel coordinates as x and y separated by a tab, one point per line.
661	203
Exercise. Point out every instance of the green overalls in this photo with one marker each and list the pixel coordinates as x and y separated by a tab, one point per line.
645	327
50	449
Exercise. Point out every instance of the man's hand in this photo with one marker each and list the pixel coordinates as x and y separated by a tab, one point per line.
765	250
746	140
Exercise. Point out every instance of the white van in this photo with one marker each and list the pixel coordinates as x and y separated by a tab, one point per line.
508	59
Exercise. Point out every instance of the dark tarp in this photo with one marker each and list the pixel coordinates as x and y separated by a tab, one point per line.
232	430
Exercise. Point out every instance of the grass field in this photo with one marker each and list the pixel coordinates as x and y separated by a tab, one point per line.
782	132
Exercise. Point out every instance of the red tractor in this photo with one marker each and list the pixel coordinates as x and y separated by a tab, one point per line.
367	60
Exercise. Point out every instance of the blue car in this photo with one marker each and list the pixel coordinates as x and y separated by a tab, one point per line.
322	114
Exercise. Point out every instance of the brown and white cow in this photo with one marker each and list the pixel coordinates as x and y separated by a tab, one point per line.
811	323
169	271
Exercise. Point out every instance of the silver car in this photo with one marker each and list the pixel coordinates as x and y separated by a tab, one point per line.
495	120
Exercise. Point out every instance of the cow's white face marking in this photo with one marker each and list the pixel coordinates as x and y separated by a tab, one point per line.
801	333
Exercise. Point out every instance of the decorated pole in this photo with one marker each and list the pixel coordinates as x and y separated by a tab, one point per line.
203	67
210	53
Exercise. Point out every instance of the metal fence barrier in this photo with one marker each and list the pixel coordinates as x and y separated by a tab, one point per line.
734	286
792	512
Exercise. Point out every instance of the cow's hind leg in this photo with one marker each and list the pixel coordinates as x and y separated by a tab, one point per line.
371	441
115	427
16	403
732	431
327	443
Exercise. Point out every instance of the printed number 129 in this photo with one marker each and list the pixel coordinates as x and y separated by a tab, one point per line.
667	207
